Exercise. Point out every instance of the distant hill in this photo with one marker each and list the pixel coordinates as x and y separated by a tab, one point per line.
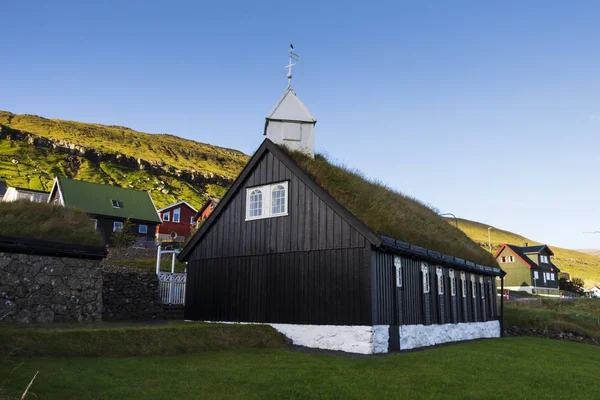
577	263
592	252
34	149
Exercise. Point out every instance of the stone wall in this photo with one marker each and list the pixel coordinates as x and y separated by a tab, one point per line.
130	294
49	289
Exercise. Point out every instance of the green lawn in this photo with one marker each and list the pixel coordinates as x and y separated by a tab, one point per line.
512	368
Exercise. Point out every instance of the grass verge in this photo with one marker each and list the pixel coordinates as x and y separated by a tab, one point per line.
172	338
486	369
580	316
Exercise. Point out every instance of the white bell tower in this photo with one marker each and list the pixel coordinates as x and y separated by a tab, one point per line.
290	123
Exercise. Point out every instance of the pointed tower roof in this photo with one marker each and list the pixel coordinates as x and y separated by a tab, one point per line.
289	108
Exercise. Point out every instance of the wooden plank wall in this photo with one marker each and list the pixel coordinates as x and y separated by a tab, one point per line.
321	287
310	224
419	308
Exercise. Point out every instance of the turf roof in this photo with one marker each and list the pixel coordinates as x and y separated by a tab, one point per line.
97	199
43	221
390	213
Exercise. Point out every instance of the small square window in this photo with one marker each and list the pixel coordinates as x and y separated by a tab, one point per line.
143	228
167	216
511	259
192	220
116	204
503	259
536	275
117	226
95	222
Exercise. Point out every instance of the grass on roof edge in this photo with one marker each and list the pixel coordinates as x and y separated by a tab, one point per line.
43	221
389	212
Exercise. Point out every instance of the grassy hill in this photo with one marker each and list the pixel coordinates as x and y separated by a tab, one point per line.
575	262
170	168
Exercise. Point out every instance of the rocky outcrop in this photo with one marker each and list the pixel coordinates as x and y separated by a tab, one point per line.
49	289
191	176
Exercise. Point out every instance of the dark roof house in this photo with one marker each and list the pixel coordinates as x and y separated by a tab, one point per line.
109	206
323	254
529	269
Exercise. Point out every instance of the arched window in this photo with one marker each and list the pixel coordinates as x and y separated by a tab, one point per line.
278	203
256	203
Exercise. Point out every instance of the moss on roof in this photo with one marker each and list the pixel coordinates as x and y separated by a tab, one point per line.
43	221
391	213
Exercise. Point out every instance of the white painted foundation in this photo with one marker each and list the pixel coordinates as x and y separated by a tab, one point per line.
351	339
415	336
375	339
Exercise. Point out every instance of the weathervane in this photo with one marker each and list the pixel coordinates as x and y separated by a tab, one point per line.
293	56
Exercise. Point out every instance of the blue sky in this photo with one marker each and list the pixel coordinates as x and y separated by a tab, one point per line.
488	111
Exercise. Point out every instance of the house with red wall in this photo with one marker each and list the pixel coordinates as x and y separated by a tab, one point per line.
177	221
207	209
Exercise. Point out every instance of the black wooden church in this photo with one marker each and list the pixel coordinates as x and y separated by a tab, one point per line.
280	249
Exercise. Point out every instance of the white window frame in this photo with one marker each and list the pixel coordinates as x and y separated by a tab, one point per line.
544	277
452	283
95	221
440	279
482	288
463	281
166	217
192	220
119	224
474	286
267	196
140	228
536	275
503	259
552	276
511	259
425	271
112	202
398	266
177	213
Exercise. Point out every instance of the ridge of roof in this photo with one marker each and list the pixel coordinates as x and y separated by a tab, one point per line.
176	204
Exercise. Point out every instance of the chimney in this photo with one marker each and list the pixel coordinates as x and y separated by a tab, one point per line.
526	244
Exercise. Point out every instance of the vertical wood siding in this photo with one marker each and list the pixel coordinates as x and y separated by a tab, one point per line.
309	225
320	287
410	306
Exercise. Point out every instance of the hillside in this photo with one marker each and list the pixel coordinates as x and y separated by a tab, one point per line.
34	149
574	262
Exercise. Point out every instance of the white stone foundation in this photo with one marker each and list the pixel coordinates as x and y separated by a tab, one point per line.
415	336
351	339
375	339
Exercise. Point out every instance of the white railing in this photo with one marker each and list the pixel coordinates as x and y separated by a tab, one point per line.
171	285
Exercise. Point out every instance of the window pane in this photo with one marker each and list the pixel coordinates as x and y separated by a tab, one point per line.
176	213
278	200
255	203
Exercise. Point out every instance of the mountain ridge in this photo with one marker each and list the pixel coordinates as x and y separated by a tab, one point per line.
34	149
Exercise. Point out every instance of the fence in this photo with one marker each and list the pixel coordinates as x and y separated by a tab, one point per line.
171	285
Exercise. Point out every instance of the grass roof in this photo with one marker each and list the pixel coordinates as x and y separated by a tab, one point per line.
43	221
391	213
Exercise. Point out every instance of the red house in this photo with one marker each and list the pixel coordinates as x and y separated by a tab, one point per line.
177	221
207	209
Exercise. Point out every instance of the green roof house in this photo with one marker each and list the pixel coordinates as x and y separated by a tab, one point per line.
109	206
